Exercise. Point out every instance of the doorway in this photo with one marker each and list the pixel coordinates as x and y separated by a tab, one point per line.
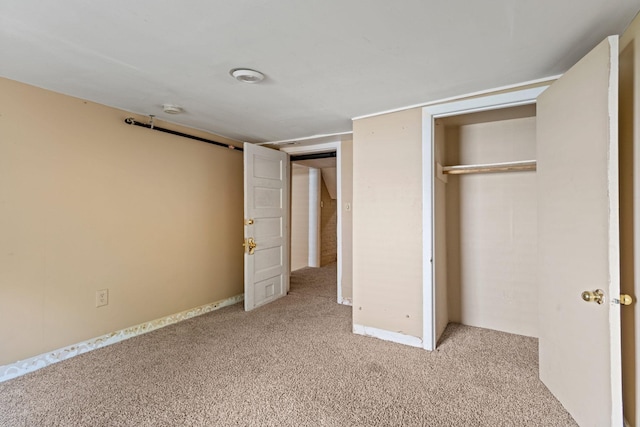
331	203
435	300
313	212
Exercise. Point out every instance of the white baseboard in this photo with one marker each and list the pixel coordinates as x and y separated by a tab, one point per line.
385	335
346	301
34	363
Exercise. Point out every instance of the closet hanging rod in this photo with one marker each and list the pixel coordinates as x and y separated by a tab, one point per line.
132	121
526	165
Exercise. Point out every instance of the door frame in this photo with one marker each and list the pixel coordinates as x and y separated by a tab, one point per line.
429	114
319	148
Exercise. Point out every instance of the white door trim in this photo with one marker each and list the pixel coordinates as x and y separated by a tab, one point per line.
493	102
318	148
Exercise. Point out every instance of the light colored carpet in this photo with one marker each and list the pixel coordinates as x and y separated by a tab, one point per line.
294	362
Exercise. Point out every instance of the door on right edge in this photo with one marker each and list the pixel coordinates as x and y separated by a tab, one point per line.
578	240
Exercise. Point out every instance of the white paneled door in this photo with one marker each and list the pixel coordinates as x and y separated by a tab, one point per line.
266	216
578	242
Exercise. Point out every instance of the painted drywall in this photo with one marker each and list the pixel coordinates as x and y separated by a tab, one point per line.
440	231
315	181
88	202
299	217
387	222
328	226
492	228
629	137
346	217
330	178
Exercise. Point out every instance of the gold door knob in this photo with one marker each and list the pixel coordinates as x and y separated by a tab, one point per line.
249	245
626	299
595	296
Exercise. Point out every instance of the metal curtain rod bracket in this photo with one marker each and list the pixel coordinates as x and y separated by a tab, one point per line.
150	125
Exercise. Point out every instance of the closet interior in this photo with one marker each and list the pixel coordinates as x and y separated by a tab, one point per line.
485	220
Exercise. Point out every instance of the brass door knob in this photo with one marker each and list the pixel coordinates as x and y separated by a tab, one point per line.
596	296
249	245
626	299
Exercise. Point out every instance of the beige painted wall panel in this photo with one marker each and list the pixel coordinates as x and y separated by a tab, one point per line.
299	217
90	203
452	201
22	254
330	179
492	235
629	227
440	233
387	218
346	189
328	226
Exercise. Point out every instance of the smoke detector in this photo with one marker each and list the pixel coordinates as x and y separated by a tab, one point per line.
172	109
246	75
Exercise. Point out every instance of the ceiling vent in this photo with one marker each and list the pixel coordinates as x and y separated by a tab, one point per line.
172	109
246	75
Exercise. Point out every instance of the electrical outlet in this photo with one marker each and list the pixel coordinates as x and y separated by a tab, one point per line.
102	297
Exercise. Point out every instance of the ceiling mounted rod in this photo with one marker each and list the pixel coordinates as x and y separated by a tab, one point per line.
132	121
313	156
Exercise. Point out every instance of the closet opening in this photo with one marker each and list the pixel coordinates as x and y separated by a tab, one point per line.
485	220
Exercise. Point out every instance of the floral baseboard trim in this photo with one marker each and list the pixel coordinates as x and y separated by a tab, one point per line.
31	364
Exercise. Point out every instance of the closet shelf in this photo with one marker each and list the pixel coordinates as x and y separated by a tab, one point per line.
526	165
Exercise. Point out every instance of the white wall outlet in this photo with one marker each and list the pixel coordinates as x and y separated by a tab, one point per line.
102	297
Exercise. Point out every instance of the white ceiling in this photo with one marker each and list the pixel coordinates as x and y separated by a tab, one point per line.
325	61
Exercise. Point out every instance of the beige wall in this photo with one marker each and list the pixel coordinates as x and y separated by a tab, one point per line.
88	202
299	216
629	227
492	228
387	222
441	216
328	227
346	193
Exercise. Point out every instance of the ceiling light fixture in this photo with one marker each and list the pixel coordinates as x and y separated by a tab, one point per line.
172	109
245	75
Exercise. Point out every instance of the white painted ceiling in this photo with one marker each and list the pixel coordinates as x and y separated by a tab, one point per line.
325	61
